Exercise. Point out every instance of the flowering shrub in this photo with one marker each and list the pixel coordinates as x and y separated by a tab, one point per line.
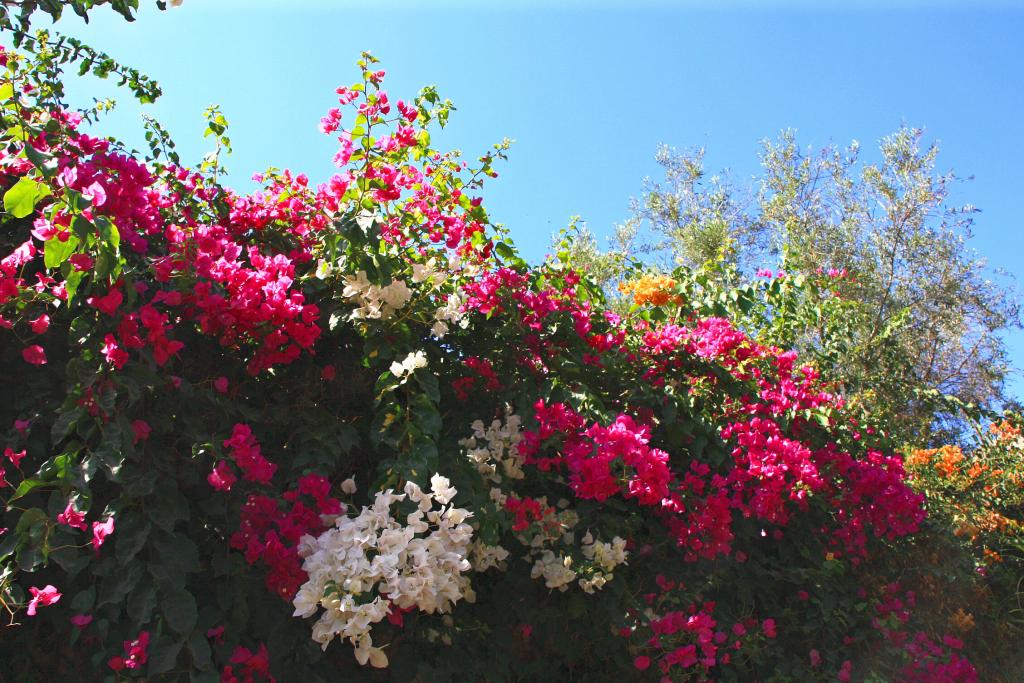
973	550
203	376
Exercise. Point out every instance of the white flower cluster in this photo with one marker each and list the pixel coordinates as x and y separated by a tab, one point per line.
493	449
555	569
451	312
602	558
363	564
409	364
606	557
484	557
374	301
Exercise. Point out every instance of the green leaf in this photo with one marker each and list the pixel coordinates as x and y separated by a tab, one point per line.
142	602
177	552
179	610
72	282
56	252
84	600
47	163
428	382
26	487
132	532
20	200
199	647
109	232
163	656
115	587
168	506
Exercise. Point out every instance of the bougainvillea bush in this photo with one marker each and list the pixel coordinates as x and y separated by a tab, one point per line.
340	430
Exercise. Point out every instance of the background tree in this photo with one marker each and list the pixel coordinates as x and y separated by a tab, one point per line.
927	315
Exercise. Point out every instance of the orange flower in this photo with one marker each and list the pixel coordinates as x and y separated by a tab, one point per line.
949	460
975	470
651	289
992	557
920	457
1004	430
962	621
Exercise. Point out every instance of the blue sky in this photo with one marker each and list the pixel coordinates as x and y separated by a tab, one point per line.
589	89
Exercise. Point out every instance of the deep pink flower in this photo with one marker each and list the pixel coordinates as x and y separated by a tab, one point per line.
108	303
100	531
40	324
34	354
72	518
81	262
14	457
141	431
642	662
114	354
222	478
81	620
221	384
97	194
41	597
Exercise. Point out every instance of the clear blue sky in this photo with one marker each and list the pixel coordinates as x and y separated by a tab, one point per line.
588	89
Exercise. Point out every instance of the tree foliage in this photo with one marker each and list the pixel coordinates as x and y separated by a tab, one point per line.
928	314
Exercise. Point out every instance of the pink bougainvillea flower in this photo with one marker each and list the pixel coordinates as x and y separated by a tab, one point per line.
81	262
81	620
642	662
97	194
221	384
222	478
217	634
141	431
114	354
41	597
22	425
34	354
136	653
72	518
100	531
108	303
14	457
328	373
40	324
